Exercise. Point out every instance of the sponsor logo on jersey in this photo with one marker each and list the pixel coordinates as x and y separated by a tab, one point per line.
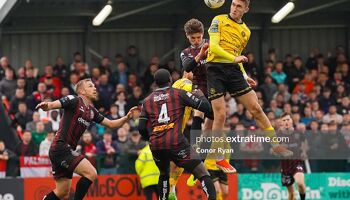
83	121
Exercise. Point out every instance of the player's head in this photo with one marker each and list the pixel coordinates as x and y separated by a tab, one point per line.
162	78
286	121
87	88
188	75
239	8
194	31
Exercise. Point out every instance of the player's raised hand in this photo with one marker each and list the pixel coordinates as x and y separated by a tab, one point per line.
131	112
240	59
43	105
202	53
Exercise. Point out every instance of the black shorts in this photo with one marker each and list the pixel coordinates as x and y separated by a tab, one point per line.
183	156
218	175
64	161
288	178
224	78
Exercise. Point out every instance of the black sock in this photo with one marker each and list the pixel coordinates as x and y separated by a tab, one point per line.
51	196
208	187
82	188
302	196
196	128
163	187
197	123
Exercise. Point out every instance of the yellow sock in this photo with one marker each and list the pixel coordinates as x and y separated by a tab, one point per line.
174	176
270	132
219	196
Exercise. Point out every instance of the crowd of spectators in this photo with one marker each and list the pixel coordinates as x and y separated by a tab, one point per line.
316	92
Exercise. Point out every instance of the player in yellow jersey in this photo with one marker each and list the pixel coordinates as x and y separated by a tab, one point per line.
229	36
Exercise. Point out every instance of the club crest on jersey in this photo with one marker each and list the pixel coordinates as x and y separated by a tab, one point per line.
243	34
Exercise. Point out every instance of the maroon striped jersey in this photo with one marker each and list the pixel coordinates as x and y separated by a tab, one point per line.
164	110
293	165
200	70
75	120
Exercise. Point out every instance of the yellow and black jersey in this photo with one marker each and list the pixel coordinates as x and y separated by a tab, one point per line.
231	36
186	85
227	40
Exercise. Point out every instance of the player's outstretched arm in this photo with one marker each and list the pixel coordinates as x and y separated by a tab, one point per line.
112	124
49	105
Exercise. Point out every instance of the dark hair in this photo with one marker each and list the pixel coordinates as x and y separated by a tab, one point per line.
193	26
285	114
162	77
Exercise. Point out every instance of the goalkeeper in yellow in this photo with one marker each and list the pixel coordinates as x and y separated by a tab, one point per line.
229	36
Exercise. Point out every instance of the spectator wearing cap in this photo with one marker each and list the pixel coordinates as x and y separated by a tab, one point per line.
107	150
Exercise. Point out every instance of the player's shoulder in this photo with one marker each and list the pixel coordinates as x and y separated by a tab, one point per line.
69	98
245	27
147	98
221	17
183	84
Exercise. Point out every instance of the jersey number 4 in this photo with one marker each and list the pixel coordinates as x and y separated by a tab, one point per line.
163	115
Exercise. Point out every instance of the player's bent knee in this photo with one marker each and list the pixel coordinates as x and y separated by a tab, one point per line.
92	175
63	193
